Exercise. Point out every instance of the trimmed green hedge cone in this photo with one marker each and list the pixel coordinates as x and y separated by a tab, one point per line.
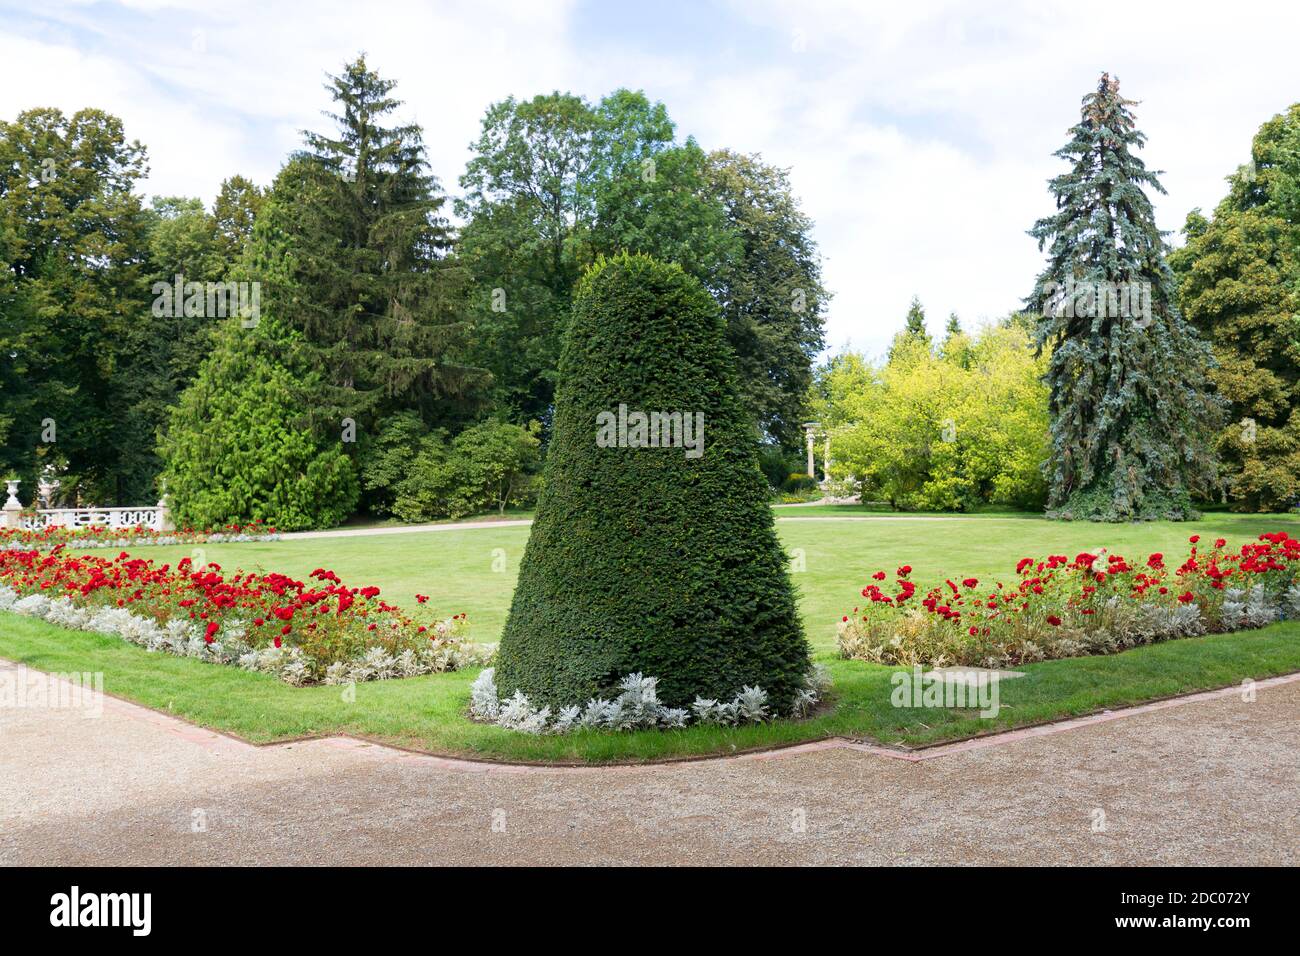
662	560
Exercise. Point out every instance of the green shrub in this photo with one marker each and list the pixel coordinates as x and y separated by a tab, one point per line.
386	460
774	464
799	481
418	476
239	448
642	559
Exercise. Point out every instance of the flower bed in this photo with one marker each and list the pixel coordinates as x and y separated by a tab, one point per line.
1062	607
102	536
321	631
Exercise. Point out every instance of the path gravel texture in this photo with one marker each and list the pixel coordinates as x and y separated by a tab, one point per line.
1212	781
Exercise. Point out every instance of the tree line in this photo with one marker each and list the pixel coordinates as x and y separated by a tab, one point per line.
395	364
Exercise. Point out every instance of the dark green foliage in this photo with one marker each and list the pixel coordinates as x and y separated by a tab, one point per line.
237	450
642	559
1131	412
234	214
1240	286
72	288
386	460
164	346
771	293
556	181
354	250
775	464
418	475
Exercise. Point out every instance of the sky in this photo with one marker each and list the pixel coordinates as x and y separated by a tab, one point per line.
919	135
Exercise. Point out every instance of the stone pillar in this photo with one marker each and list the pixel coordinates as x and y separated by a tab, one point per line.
826	459
810	429
11	516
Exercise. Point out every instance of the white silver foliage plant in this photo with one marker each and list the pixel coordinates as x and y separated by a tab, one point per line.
483	701
1291	603
184	638
637	707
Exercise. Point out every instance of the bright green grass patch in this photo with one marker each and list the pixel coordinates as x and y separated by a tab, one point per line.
459	570
427	712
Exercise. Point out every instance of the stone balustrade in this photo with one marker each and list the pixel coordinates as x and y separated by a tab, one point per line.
146	516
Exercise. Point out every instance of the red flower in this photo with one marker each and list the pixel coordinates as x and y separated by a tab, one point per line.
278	642
971	582
422	598
1186	597
905	570
879	576
1053	620
209	634
1194	538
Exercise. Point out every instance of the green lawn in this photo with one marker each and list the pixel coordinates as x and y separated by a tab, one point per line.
456	568
837	553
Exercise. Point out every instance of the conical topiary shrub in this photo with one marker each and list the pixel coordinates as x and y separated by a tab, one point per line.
659	560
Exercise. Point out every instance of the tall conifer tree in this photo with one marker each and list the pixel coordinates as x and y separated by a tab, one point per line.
354	247
1130	408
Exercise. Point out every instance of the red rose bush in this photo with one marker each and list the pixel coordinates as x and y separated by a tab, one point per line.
1093	603
303	632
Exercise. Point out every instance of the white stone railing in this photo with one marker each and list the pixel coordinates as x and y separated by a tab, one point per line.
152	517
148	516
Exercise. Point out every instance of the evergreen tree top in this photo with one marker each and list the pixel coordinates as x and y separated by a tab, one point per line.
1104	227
916	319
364	149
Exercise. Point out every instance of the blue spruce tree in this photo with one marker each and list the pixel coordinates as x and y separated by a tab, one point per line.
1132	414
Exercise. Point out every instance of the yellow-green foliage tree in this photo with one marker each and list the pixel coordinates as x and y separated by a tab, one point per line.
946	428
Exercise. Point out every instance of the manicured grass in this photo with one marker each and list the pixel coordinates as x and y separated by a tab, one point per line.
427	712
457	569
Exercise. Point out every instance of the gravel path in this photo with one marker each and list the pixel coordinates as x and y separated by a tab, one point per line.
1211	781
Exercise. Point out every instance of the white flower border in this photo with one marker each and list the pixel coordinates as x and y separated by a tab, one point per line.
184	638
637	707
74	544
